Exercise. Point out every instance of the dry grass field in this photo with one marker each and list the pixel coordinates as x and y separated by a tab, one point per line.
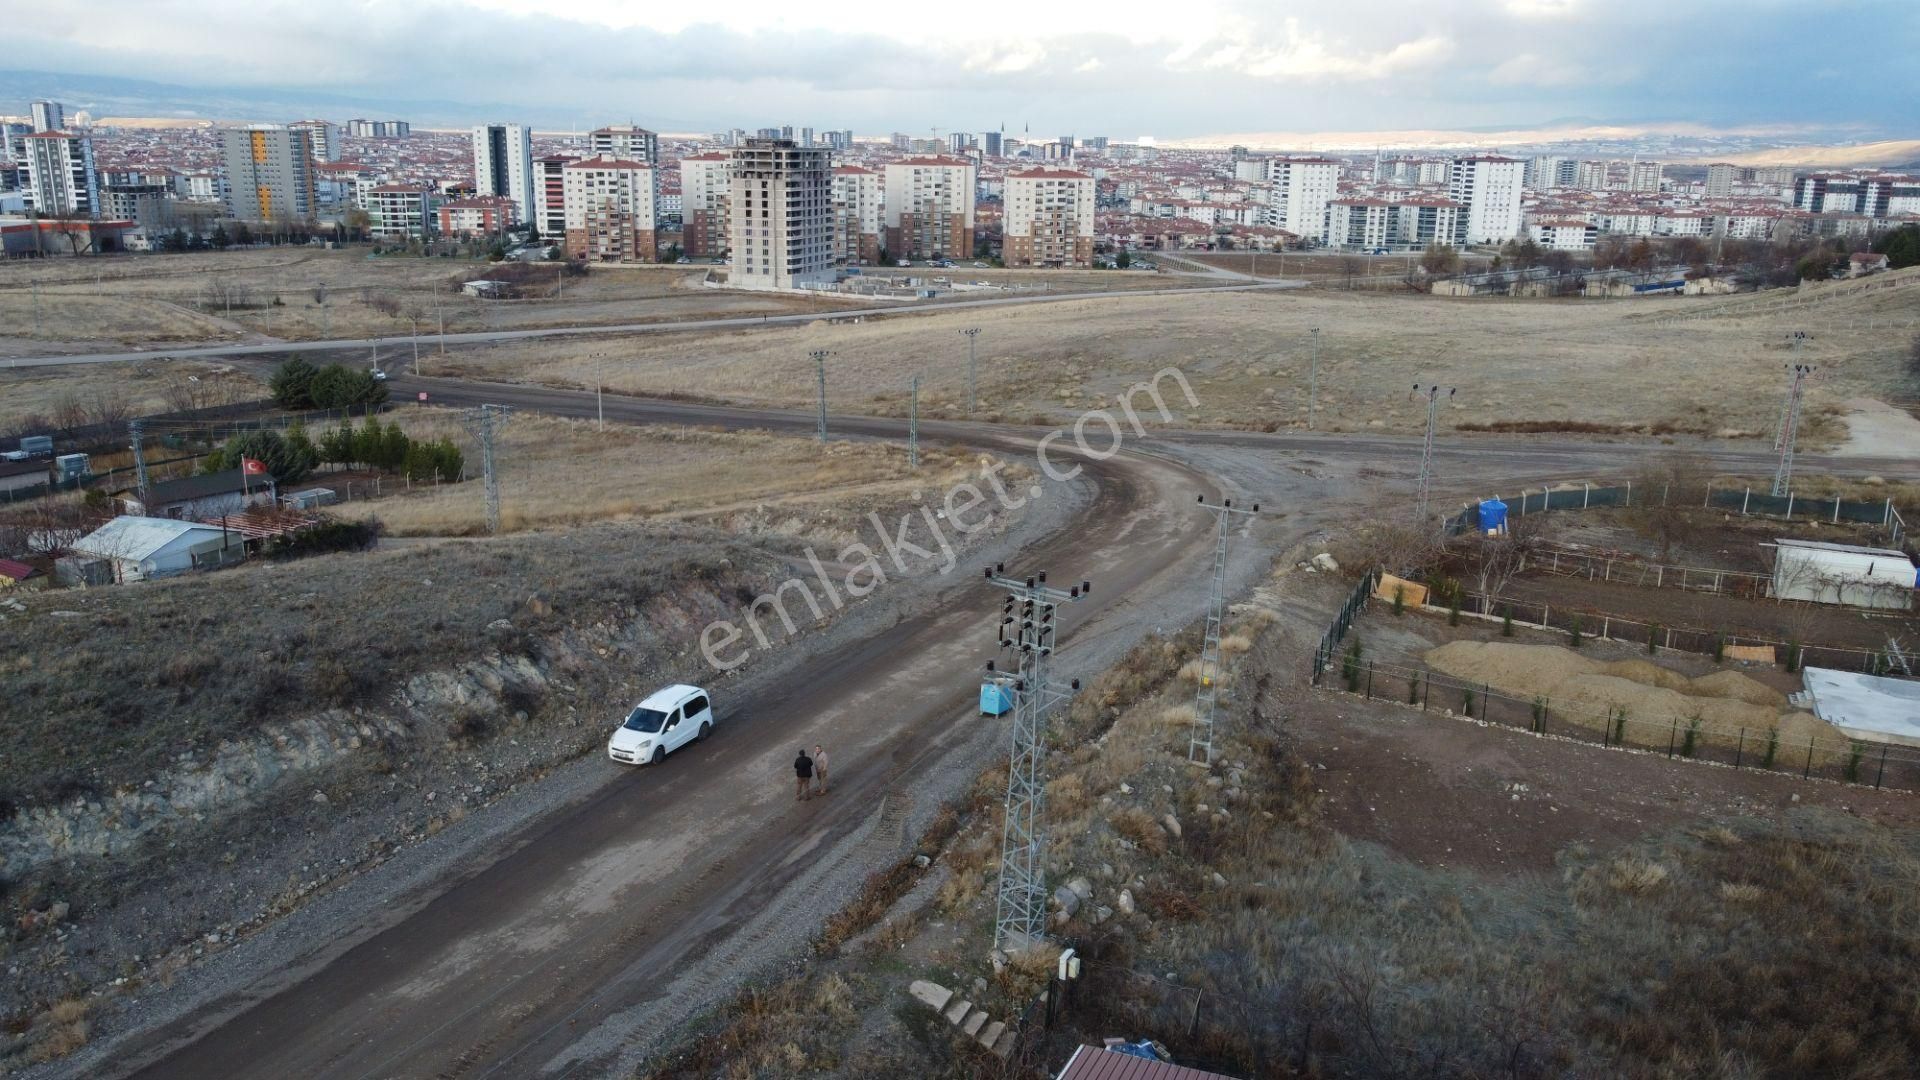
1554	364
34	398
557	473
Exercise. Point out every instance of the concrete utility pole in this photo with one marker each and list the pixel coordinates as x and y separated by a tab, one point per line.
485	422
1426	450
1790	429
913	425
1313	376
136	428
1027	628
1207	693
972	368
820	372
36	307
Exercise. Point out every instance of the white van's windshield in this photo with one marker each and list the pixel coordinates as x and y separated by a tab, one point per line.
645	719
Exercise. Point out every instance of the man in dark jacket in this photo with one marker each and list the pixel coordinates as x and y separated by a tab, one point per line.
803	775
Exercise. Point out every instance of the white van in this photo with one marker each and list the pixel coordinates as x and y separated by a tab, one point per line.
667	720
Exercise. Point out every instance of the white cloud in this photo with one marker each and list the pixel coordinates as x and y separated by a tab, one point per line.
1088	66
1292	51
1532	69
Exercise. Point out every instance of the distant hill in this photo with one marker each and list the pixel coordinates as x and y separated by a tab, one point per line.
150	103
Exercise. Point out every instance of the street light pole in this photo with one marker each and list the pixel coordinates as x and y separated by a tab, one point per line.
972	368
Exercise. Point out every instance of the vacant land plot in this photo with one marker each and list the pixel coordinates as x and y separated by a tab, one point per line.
561	473
1247	357
48	398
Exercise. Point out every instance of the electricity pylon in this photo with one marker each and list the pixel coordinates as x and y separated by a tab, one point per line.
820	370
1027	629
1790	427
972	368
485	422
1206	694
1426	450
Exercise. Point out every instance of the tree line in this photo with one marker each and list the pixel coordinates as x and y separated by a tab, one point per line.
292	456
298	385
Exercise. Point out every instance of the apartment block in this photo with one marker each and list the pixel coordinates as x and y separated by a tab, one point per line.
704	190
625	143
325	136
60	174
1391	224
1301	189
550	195
379	129
1546	172
143	203
1049	219
858	219
780	221
991	143
399	211
480	215
1721	177
1569	234
929	208
611	210
503	165
49	116
269	172
1487	187
1643	176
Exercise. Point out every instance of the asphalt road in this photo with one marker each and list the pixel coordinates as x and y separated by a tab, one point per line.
480	337
569	935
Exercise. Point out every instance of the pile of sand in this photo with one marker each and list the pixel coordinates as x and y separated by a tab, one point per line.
1730	707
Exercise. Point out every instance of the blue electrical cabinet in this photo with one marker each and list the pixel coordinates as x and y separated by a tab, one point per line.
995	697
1493	516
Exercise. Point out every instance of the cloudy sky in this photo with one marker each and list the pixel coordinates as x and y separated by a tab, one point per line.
1176	69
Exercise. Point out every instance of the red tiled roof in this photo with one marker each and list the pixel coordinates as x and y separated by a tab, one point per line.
1049	174
851	170
711	155
950	162
261	523
604	163
18	571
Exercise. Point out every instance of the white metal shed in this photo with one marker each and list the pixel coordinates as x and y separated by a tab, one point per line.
1843	574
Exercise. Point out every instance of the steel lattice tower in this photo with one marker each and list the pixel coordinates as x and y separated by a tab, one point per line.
1027	629
820	369
485	422
1426	450
1206	693
1790	427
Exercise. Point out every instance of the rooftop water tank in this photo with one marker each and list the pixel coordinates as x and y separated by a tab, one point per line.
1493	516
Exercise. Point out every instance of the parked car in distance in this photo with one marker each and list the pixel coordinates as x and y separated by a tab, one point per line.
662	723
380	375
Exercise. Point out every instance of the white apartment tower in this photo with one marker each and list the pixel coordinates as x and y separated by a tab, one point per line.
503	166
704	191
1721	177
929	208
625	143
326	138
269	172
1643	176
550	195
49	116
1049	218
780	221
611	210
1301	189
857	214
60	174
1487	188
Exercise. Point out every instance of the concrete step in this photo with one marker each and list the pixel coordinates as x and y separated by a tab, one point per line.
1003	1046
992	1034
974	1023
932	993
958	1011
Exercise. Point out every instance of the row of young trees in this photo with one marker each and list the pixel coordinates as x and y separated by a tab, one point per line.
298	384
292	456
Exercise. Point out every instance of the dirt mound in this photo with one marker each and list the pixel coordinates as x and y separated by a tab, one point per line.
1658	705
1648	673
1733	684
1522	670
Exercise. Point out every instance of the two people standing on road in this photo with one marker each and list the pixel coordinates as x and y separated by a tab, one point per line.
809	774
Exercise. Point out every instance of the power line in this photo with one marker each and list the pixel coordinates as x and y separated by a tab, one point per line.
1206	692
485	422
1027	628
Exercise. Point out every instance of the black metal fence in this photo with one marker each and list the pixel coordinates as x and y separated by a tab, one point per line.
1828	755
1704	642
1743	501
1356	602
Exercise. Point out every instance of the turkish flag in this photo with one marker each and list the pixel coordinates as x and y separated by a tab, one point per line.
253	466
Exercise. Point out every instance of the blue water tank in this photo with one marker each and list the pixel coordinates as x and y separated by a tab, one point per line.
1493	516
